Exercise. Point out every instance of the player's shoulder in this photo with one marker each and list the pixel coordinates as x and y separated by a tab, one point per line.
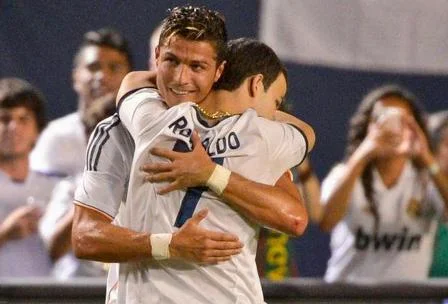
143	93
251	117
108	130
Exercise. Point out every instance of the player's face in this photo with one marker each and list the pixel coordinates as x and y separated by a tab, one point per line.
186	70
99	71
271	100
18	132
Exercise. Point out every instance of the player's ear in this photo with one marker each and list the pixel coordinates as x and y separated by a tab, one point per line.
219	71
256	85
75	82
157	55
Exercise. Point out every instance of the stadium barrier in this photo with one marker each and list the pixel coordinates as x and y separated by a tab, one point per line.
296	290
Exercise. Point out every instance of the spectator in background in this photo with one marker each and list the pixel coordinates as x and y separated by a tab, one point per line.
438	127
24	193
57	221
375	202
101	62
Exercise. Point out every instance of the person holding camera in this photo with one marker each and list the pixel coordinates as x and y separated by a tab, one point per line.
376	202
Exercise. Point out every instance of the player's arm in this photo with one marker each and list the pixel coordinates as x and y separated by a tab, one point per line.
310	189
94	237
136	80
298	123
279	207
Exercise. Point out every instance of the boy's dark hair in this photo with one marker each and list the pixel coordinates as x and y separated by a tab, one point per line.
104	37
15	92
247	57
198	24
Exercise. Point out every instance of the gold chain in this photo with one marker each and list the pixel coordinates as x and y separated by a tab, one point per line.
216	115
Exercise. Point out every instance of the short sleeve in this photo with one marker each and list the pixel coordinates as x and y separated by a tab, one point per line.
108	164
138	109
285	143
101	190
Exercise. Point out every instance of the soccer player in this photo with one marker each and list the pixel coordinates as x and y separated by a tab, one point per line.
24	192
231	142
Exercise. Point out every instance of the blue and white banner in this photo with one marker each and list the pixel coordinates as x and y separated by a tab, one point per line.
378	35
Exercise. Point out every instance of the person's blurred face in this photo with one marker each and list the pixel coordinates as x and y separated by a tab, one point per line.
186	70
442	151
396	103
389	112
99	71
270	100
18	132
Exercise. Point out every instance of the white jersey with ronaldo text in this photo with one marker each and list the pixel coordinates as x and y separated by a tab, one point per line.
401	249
258	149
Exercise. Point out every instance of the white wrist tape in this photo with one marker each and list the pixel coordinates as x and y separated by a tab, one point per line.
160	244
219	179
434	168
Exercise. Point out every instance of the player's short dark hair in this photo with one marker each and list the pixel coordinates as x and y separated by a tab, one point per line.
104	37
247	57
197	24
15	92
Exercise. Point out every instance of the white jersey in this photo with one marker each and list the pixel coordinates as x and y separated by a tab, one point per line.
108	166
61	147
258	149
106	176
401	249
28	256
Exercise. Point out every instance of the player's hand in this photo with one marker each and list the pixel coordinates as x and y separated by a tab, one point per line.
21	223
196	244
186	169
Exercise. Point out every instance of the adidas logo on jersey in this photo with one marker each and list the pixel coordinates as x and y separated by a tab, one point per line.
394	241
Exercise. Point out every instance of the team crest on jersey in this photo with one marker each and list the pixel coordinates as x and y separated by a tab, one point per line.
414	208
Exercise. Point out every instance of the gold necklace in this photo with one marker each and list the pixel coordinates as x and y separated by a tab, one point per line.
216	115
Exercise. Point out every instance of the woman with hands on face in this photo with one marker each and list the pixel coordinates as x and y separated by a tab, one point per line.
375	203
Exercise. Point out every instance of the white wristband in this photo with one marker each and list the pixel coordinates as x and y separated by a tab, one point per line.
160	244
434	168
219	179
